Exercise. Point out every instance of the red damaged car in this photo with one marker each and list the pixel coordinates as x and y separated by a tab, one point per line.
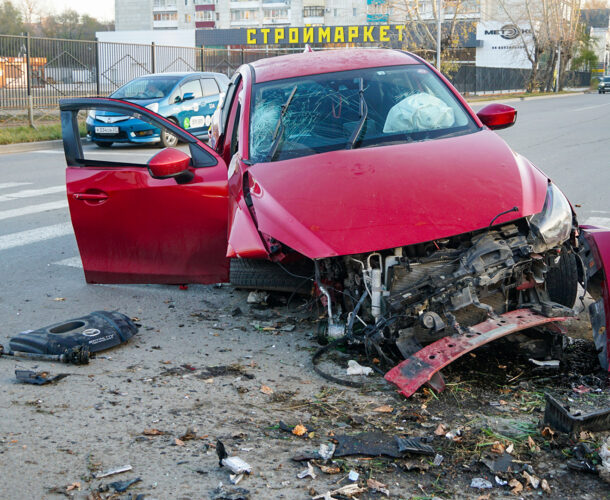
360	175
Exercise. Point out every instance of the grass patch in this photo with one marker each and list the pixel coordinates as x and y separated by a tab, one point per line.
14	135
522	95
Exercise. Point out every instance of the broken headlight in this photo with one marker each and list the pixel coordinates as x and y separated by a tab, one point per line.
552	226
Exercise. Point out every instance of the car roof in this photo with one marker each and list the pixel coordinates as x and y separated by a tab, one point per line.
326	61
183	74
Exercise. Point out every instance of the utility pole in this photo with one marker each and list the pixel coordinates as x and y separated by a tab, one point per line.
438	35
558	68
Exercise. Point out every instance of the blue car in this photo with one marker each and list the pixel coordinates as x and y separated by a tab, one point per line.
188	99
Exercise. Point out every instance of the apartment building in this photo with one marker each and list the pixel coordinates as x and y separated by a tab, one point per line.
201	14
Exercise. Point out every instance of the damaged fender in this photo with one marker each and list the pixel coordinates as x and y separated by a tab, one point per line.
595	255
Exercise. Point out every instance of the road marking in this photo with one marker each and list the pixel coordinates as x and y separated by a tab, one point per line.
33	209
28	193
598	221
34	235
71	262
7	185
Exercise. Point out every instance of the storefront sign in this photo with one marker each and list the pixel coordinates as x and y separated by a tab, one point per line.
503	45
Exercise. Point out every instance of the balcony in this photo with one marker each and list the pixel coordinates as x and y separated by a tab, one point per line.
313	20
245	5
165	24
205	24
245	22
276	20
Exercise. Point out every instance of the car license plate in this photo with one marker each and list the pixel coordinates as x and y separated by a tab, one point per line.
106	130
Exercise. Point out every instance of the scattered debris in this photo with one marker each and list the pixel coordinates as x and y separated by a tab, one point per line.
516	486
326	451
221	493
299	430
309	472
384	409
415	445
38	378
353	476
237	465
544	484
504	463
438	459
372	444
604	467
480	484
265	389
257	297
112	472
349	490
153	432
533	481
353	368
377	486
121	486
75	355
551	363
561	419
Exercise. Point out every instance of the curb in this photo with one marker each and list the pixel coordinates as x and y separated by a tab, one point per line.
24	147
529	98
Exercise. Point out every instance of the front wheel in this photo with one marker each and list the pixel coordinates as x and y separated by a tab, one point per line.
169	140
562	280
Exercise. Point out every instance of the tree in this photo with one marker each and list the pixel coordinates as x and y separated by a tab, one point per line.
70	25
586	55
11	21
596	4
420	18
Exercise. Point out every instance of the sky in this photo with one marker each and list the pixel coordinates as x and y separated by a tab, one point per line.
100	9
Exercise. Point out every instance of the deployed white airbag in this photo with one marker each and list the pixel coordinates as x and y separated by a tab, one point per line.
418	112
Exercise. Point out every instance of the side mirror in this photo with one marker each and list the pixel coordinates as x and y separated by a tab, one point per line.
498	116
188	96
169	162
177	99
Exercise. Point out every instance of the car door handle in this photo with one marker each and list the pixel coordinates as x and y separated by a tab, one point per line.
90	196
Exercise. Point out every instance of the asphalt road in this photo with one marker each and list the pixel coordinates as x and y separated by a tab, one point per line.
42	280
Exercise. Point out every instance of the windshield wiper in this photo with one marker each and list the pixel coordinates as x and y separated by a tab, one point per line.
364	111
279	127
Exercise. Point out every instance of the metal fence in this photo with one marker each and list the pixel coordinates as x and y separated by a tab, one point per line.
36	72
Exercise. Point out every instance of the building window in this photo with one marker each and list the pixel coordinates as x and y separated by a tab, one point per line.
335	12
243	15
157	4
165	16
313	11
276	13
354	12
204	15
203	2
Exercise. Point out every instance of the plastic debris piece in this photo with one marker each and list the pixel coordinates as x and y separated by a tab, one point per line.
330	469
438	459
237	465
38	378
353	368
560	419
348	490
236	478
353	476
221	493
377	486
414	445
112	472
371	444
121	486
480	484
256	297
500	482
309	472
326	451
551	363
504	463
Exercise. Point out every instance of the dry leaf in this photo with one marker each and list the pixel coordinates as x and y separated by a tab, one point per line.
545	486
532	444
299	430
441	430
377	486
502	402
516	486
265	389
152	432
384	409
329	470
166	362
179	442
498	448
484	497
59	299
533	481
548	432
73	486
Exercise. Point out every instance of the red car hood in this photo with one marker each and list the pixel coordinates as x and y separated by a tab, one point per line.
352	201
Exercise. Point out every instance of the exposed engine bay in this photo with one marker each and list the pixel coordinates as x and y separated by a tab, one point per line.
396	301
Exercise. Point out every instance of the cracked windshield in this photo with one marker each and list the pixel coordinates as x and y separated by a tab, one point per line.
343	110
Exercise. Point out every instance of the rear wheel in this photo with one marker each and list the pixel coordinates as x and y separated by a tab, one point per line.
103	144
169	140
562	280
266	275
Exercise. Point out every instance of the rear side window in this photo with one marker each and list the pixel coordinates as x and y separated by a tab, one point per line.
210	87
192	86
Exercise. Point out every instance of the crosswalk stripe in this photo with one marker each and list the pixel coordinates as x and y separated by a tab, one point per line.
14	240
7	185
598	221
71	262
33	209
28	193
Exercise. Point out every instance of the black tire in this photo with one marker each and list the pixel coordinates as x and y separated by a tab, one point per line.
266	275
562	280
103	144
169	140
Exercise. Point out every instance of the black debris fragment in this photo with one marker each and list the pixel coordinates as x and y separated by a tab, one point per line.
504	463
561	419
221	452
414	445
222	493
38	378
121	486
375	444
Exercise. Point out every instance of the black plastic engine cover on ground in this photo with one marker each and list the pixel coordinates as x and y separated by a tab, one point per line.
98	331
